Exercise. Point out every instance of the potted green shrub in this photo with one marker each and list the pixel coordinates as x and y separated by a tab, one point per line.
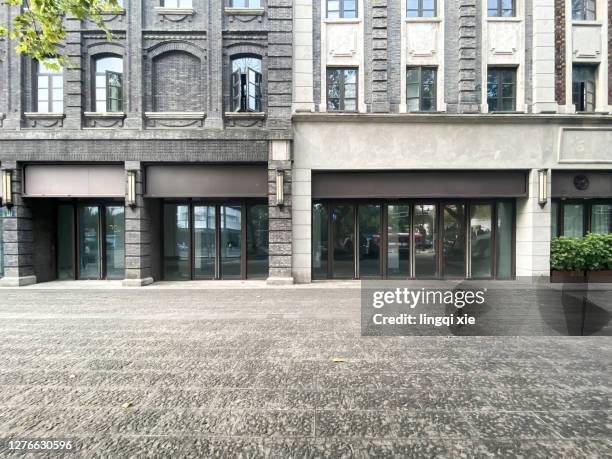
597	252
567	260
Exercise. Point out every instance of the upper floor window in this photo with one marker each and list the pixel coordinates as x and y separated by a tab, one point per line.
176	3
49	88
342	9
583	87
421	89
246	84
501	89
501	8
421	8
584	10
109	84
246	3
342	89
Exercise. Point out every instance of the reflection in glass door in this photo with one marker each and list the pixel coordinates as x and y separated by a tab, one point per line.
398	241
454	240
320	231
204	244
176	242
425	253
369	240
601	218
573	220
231	241
257	241
65	242
114	222
89	242
481	242
343	230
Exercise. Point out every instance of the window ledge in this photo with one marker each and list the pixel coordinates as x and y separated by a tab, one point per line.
504	19
436	19
341	21
585	23
175	11
244	11
245	115
104	114
42	115
119	12
175	115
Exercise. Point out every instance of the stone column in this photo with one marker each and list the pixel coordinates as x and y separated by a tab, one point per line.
133	68
18	235
533	232
280	237
380	57
137	234
302	225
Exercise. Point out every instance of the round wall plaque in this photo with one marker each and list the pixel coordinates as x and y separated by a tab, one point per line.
581	182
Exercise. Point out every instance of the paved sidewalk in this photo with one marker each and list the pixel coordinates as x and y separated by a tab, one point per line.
249	372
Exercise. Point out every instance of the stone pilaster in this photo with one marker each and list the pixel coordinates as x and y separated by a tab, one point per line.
280	217
303	70
214	38
469	92
380	57
73	86
533	232
560	52
133	68
137	234
13	68
18	235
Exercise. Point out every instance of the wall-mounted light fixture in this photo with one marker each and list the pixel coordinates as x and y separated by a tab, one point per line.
131	189
542	187
7	189
280	185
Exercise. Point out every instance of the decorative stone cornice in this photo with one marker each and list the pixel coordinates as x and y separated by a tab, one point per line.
175	119
104	119
244	11
245	119
174	14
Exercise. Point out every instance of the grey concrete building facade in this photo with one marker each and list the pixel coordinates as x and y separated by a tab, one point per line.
94	149
413	117
411	138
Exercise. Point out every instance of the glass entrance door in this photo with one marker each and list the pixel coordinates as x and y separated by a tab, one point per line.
114	247
454	240
89	242
204	242
481	240
231	242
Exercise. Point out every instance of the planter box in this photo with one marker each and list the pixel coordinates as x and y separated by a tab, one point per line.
567	277
599	276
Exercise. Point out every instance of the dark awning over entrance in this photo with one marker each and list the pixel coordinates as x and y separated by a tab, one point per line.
419	184
581	184
74	180
206	181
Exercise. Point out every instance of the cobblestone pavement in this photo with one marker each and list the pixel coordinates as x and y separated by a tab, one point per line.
249	373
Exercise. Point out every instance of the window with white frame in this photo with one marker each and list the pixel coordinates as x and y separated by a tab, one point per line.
501	8
421	89
246	84
183	4
109	84
584	78
584	10
245	3
421	8
49	87
346	9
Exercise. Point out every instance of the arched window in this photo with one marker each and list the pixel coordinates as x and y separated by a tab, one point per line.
49	88
246	84
109	84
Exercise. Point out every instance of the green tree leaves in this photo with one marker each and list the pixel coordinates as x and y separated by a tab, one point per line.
39	28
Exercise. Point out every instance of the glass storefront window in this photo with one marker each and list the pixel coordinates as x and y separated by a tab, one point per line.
343	230
89	242
425	253
398	241
504	239
481	242
454	240
231	241
65	242
115	242
4	212
601	218
319	241
257	241
554	220
176	242
204	245
573	220
369	240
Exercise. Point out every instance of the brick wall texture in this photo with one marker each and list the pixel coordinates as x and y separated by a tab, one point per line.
560	52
